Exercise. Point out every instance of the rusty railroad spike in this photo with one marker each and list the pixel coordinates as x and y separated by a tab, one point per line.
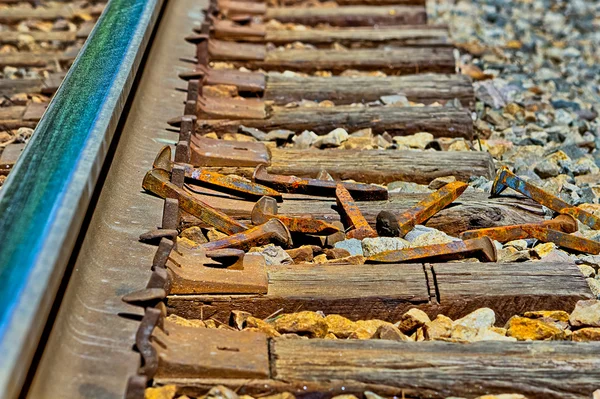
575	243
322	188
351	215
273	231
266	208
229	184
505	178
564	223
388	224
157	182
482	248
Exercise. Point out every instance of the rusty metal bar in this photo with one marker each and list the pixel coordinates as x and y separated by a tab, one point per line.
564	223
388	224
322	188
266	209
351	215
157	182
506	178
574	243
273	231
481	248
229	184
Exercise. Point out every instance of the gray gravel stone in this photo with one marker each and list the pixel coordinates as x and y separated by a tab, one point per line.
351	245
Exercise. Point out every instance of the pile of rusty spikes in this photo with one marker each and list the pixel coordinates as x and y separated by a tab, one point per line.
270	227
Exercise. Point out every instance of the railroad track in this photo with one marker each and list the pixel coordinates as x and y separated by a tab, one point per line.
248	281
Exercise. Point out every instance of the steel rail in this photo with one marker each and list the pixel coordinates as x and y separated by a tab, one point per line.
46	196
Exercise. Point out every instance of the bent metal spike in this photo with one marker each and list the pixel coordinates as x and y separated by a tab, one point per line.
157	182
564	223
266	208
229	184
273	231
388	224
321	188
572	242
352	216
506	178
481	248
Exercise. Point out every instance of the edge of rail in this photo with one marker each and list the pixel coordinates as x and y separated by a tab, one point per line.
46	196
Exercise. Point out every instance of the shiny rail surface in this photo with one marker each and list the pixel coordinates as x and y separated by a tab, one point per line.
43	202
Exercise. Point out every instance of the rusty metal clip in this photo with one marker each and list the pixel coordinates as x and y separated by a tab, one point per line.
215	152
352	215
157	182
388	224
235	272
564	223
506	178
228	184
481	248
574	243
273	231
266	208
321	188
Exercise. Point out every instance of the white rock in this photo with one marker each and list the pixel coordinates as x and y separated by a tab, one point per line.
480	318
587	271
332	139
417	231
586	314
274	255
305	139
417	140
520	245
373	246
431	238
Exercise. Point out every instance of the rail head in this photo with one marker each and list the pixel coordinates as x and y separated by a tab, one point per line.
46	196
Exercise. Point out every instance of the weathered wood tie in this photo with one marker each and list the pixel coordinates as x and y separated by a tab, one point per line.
346	2
397	121
350	15
398	61
13	37
367	166
409	35
325	368
13	15
558	370
26	59
425	88
21	116
282	89
387	291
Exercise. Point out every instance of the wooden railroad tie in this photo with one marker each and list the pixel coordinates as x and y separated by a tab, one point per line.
226	115
395	61
386	291
344	15
367	166
196	359
356	37
282	89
